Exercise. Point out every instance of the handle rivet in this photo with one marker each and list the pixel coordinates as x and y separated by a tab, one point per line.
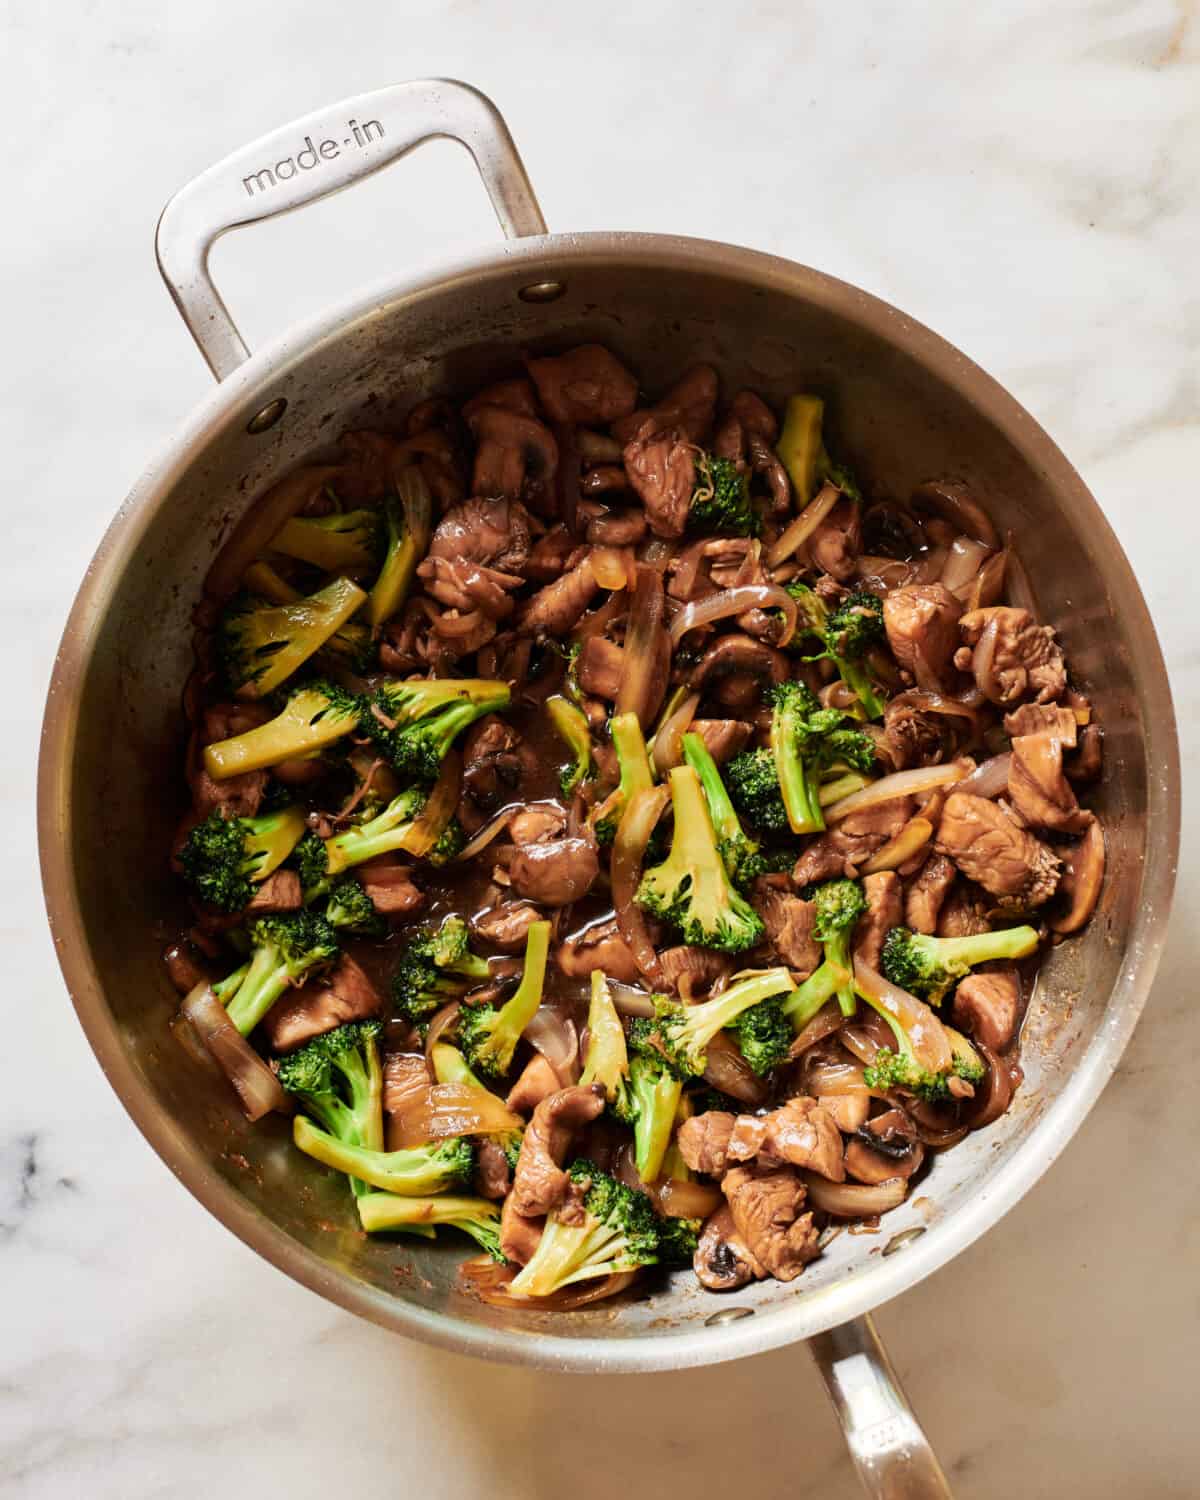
728	1315
542	291
270	414
905	1237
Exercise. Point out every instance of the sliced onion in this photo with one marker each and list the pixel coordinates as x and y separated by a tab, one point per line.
441	1023
937	703
956	504
990	779
1020	589
937	1125
726	1069
656	553
987	587
864	1041
983	661
855	1200
629	846
613	566
257	1087
447	1109
668	742
964	562
630	1001
794	536
887	572
993	1096
684	1199
900	784
736	601
438	810
930	565
555	1037
647	650
597	621
911	839
453	625
823	1076
492	829
926	1033
252	534
823	1024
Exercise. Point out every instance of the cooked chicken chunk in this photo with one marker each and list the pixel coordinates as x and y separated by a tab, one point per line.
539	1183
766	1208
986	1005
922	629
990	848
1011	656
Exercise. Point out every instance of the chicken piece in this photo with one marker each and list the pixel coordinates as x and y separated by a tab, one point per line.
494	533
746	1139
1086	763
926	893
613	528
688	405
662	471
555	873
346	994
390	887
914	737
585	385
280	891
1037	787
539	1183
514	452
1043	718
723	738
368	466
766	1208
803	1134
552	555
1011	655
789	924
835	544
515	395
598	946
723	1261
989	848
922	629
693	971
557	608
492	1177
538	1081
495	761
852	842
703	1141
507	925
963	914
519	1236
986	1005
601	667
884	910
235	796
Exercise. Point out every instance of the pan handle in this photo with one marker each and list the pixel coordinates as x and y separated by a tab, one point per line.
890	1451
313	157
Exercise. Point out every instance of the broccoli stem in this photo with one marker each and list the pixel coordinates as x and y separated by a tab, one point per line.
414	1172
381	835
655	1098
310	722
267	645
409	527
982	947
858	679
265	980
607	1060
798	784
572	726
799	446
725	821
345	540
817	990
380	1212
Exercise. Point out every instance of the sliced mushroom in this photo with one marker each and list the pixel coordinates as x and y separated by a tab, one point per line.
1083	875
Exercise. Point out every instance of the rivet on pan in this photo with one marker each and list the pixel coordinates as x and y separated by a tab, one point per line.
269	415
542	291
905	1237
728	1315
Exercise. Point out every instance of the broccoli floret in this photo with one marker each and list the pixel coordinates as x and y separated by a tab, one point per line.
636	775
488	1036
655	1087
450	844
348	540
607	1060
223	858
285	951
316	715
571	724
839	904
931	966
741	853
902	1069
350	909
415	1171
408	525
352	645
754	790
721	498
691	889
309	859
807	739
261	644
415	722
619	1233
339	1082
846	635
436	968
380	1212
678	1240
763	1034
686	1030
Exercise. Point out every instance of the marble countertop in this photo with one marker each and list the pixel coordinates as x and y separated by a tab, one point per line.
1022	178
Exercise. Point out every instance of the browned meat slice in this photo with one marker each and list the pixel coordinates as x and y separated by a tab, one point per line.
662	471
766	1209
551	555
922	629
280	891
539	1183
494	762
837	541
1043	718
723	738
729	440
519	1236
989	848
554	873
723	1261
587	385
507	925
926	893
601	667
964	912
538	1081
468	586
884	910
885	1148
346	994
556	609
688	405
803	1134
691	971
1037	787
495	533
755	415
789	924
492	1178
1011	655
821	860
598	946
852	842
235	796
914	737
538	823
1086	763
703	1141
513	449
613	528
390	887
513	395
405	1079
986	1005
746	1139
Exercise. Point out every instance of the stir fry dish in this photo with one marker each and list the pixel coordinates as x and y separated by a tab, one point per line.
618	837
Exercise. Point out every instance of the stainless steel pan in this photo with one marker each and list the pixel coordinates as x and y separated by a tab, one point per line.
908	407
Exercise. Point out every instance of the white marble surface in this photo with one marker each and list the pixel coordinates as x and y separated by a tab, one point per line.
1024	178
